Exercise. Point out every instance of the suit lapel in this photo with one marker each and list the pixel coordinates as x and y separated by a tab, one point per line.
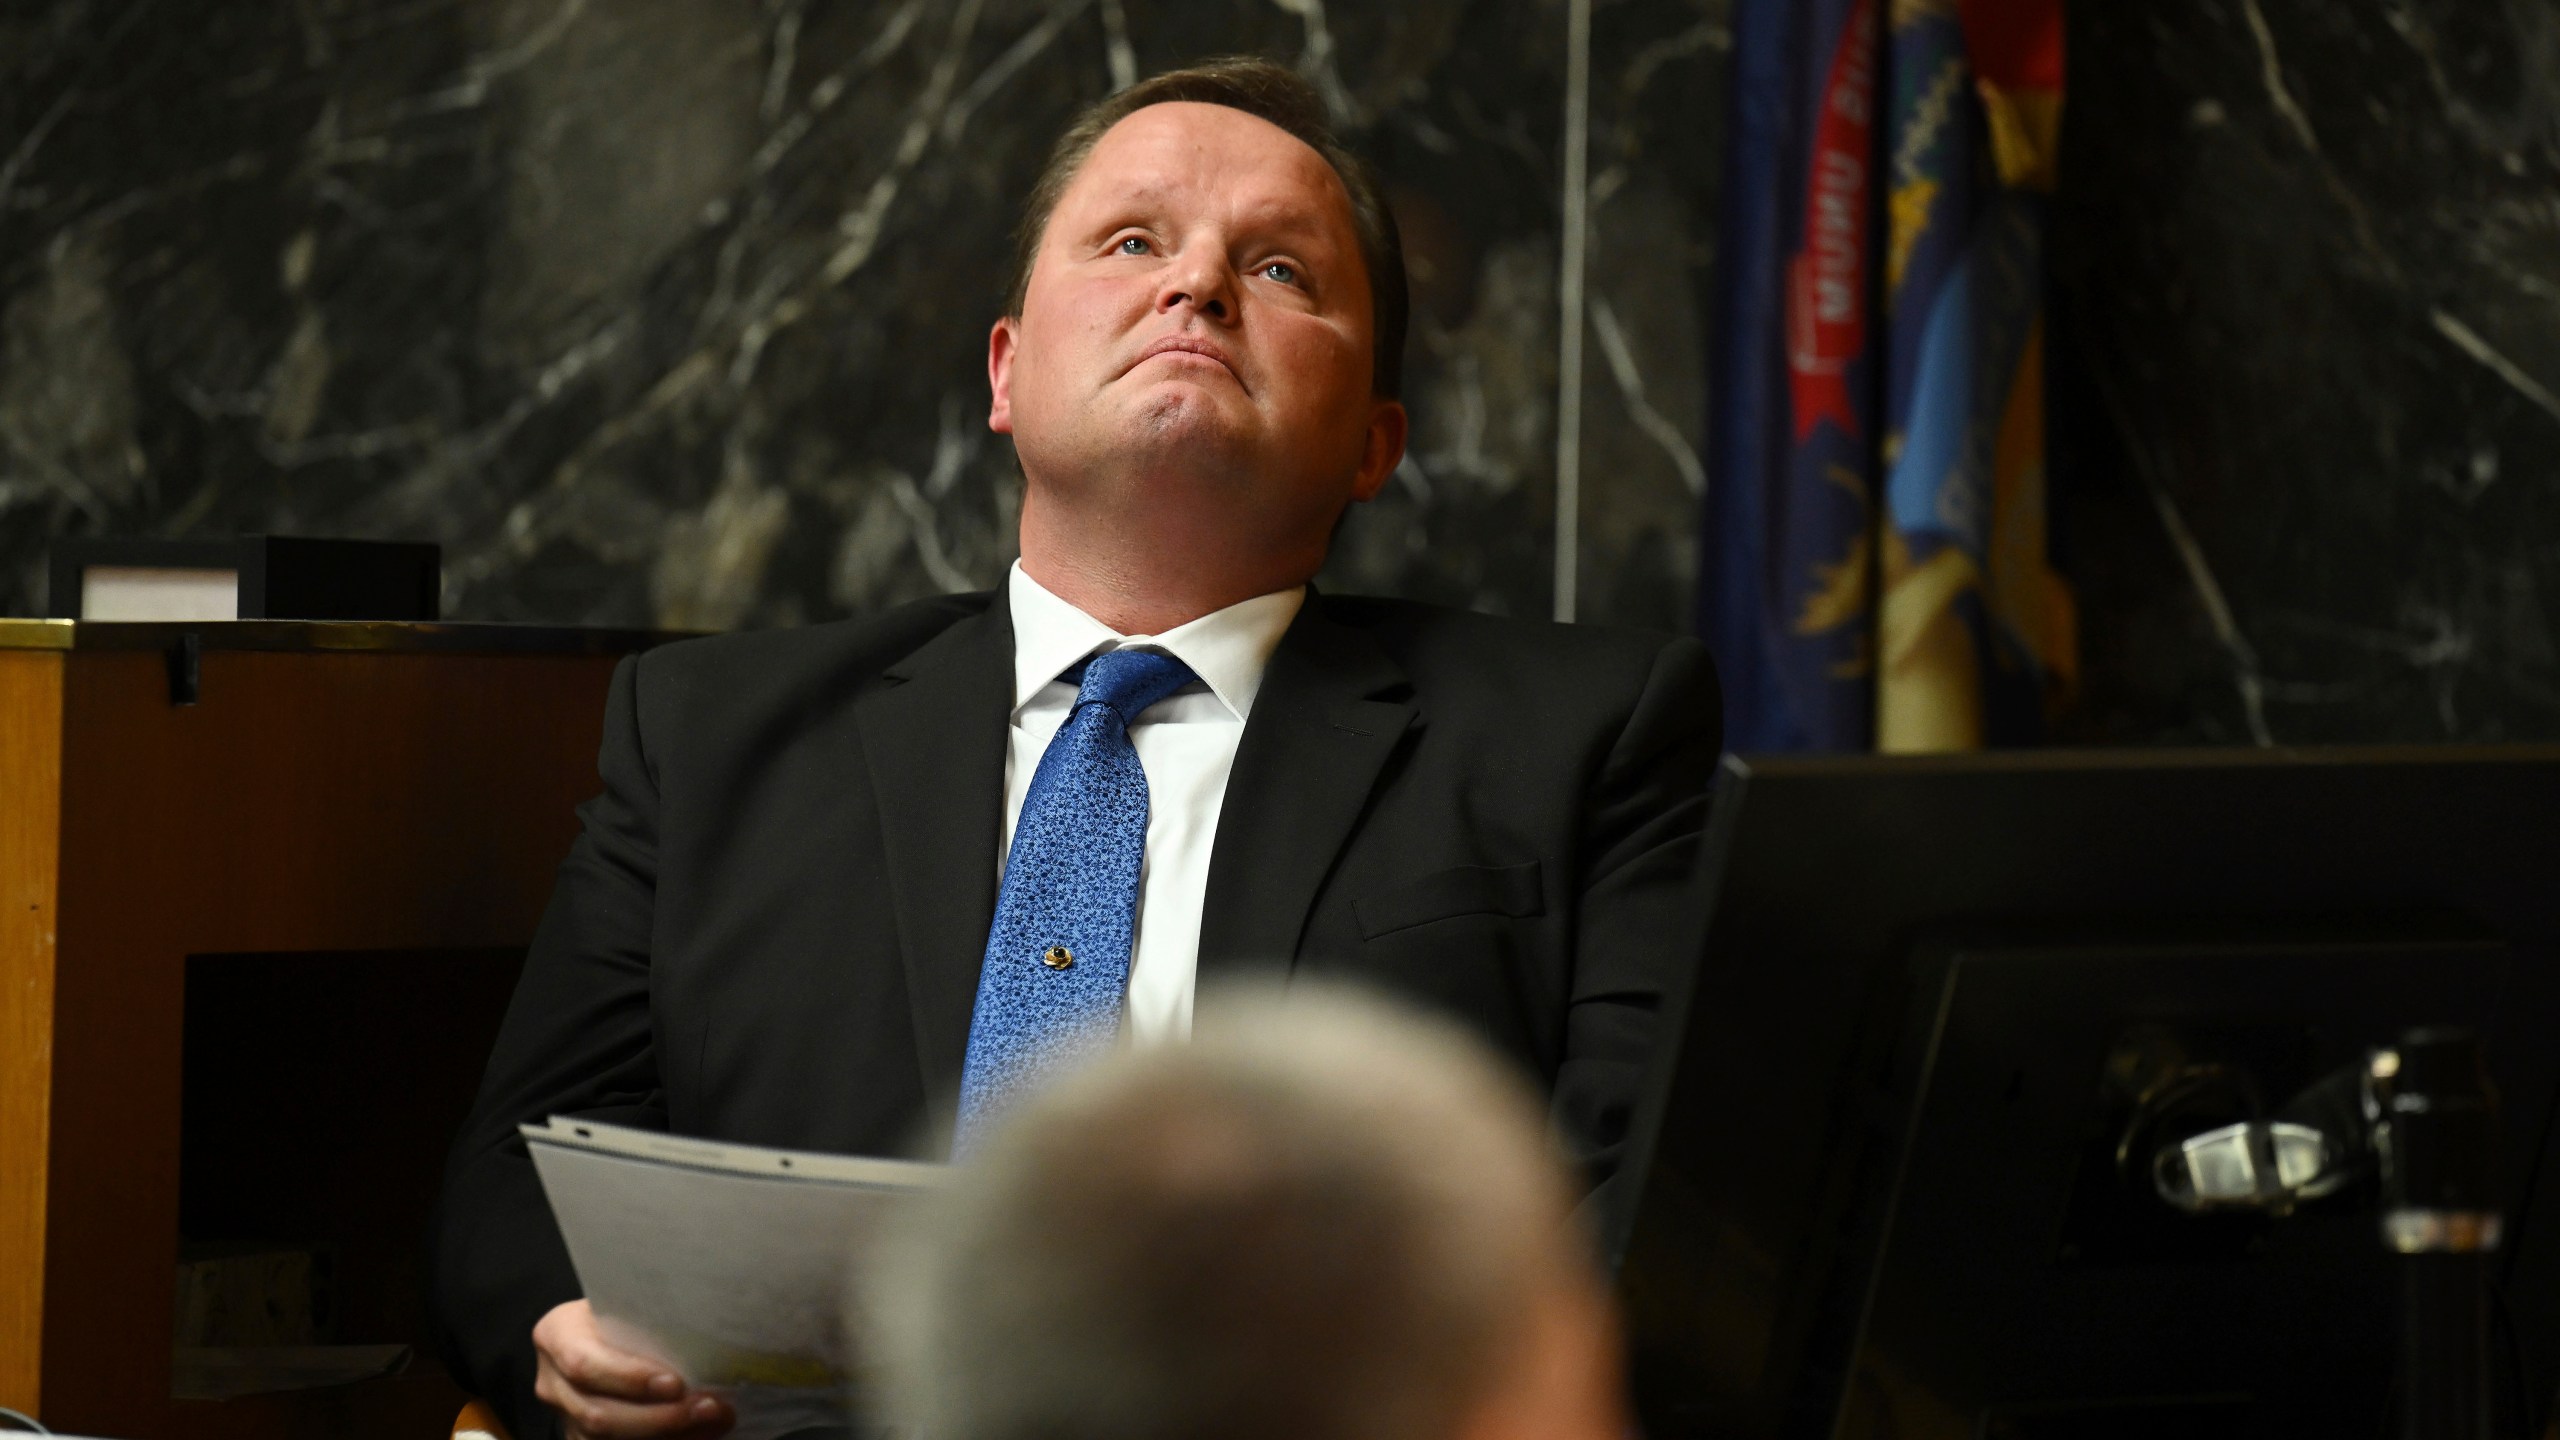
934	738
1332	708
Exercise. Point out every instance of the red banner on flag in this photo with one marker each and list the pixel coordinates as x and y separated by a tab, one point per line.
1827	276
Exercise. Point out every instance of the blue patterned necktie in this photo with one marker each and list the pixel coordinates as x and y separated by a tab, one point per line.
1057	961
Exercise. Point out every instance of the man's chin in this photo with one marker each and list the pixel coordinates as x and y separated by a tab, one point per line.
1186	416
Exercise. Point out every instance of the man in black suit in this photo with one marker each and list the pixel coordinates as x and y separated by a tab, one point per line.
776	924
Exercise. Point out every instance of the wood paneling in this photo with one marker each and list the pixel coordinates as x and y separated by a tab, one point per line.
311	801
30	765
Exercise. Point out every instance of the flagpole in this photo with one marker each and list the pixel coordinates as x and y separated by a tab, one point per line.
1577	200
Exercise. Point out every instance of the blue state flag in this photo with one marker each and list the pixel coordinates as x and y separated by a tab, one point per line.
1786	597
1874	572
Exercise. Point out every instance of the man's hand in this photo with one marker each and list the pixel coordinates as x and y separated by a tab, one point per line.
606	1393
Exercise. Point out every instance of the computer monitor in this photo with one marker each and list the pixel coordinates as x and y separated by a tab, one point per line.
1884	1180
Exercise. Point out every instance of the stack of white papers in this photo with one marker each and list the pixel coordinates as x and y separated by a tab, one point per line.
729	1262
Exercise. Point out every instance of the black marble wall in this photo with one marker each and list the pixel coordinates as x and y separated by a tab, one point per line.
673	311
2308	258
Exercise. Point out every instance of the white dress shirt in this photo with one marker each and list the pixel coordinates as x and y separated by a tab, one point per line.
1186	743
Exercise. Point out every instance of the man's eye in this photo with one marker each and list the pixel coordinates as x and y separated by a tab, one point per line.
1280	271
1134	245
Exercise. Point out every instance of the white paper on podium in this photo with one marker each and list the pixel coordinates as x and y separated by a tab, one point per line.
730	1262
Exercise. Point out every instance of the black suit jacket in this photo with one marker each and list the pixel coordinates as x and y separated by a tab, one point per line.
771	927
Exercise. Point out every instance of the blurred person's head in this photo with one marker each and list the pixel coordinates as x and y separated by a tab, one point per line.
1322	1220
1202	349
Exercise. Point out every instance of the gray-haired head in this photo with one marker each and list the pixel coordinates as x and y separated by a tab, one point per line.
1324	1219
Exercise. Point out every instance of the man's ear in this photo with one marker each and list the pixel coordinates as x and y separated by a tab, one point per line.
1381	449
1002	342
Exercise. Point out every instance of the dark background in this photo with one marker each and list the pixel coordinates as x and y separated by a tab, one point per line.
673	312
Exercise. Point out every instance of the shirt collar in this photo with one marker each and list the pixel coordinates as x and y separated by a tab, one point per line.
1228	649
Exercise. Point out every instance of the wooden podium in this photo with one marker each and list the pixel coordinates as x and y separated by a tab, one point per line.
264	887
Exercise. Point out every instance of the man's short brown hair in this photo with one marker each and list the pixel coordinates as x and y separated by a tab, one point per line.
1269	92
